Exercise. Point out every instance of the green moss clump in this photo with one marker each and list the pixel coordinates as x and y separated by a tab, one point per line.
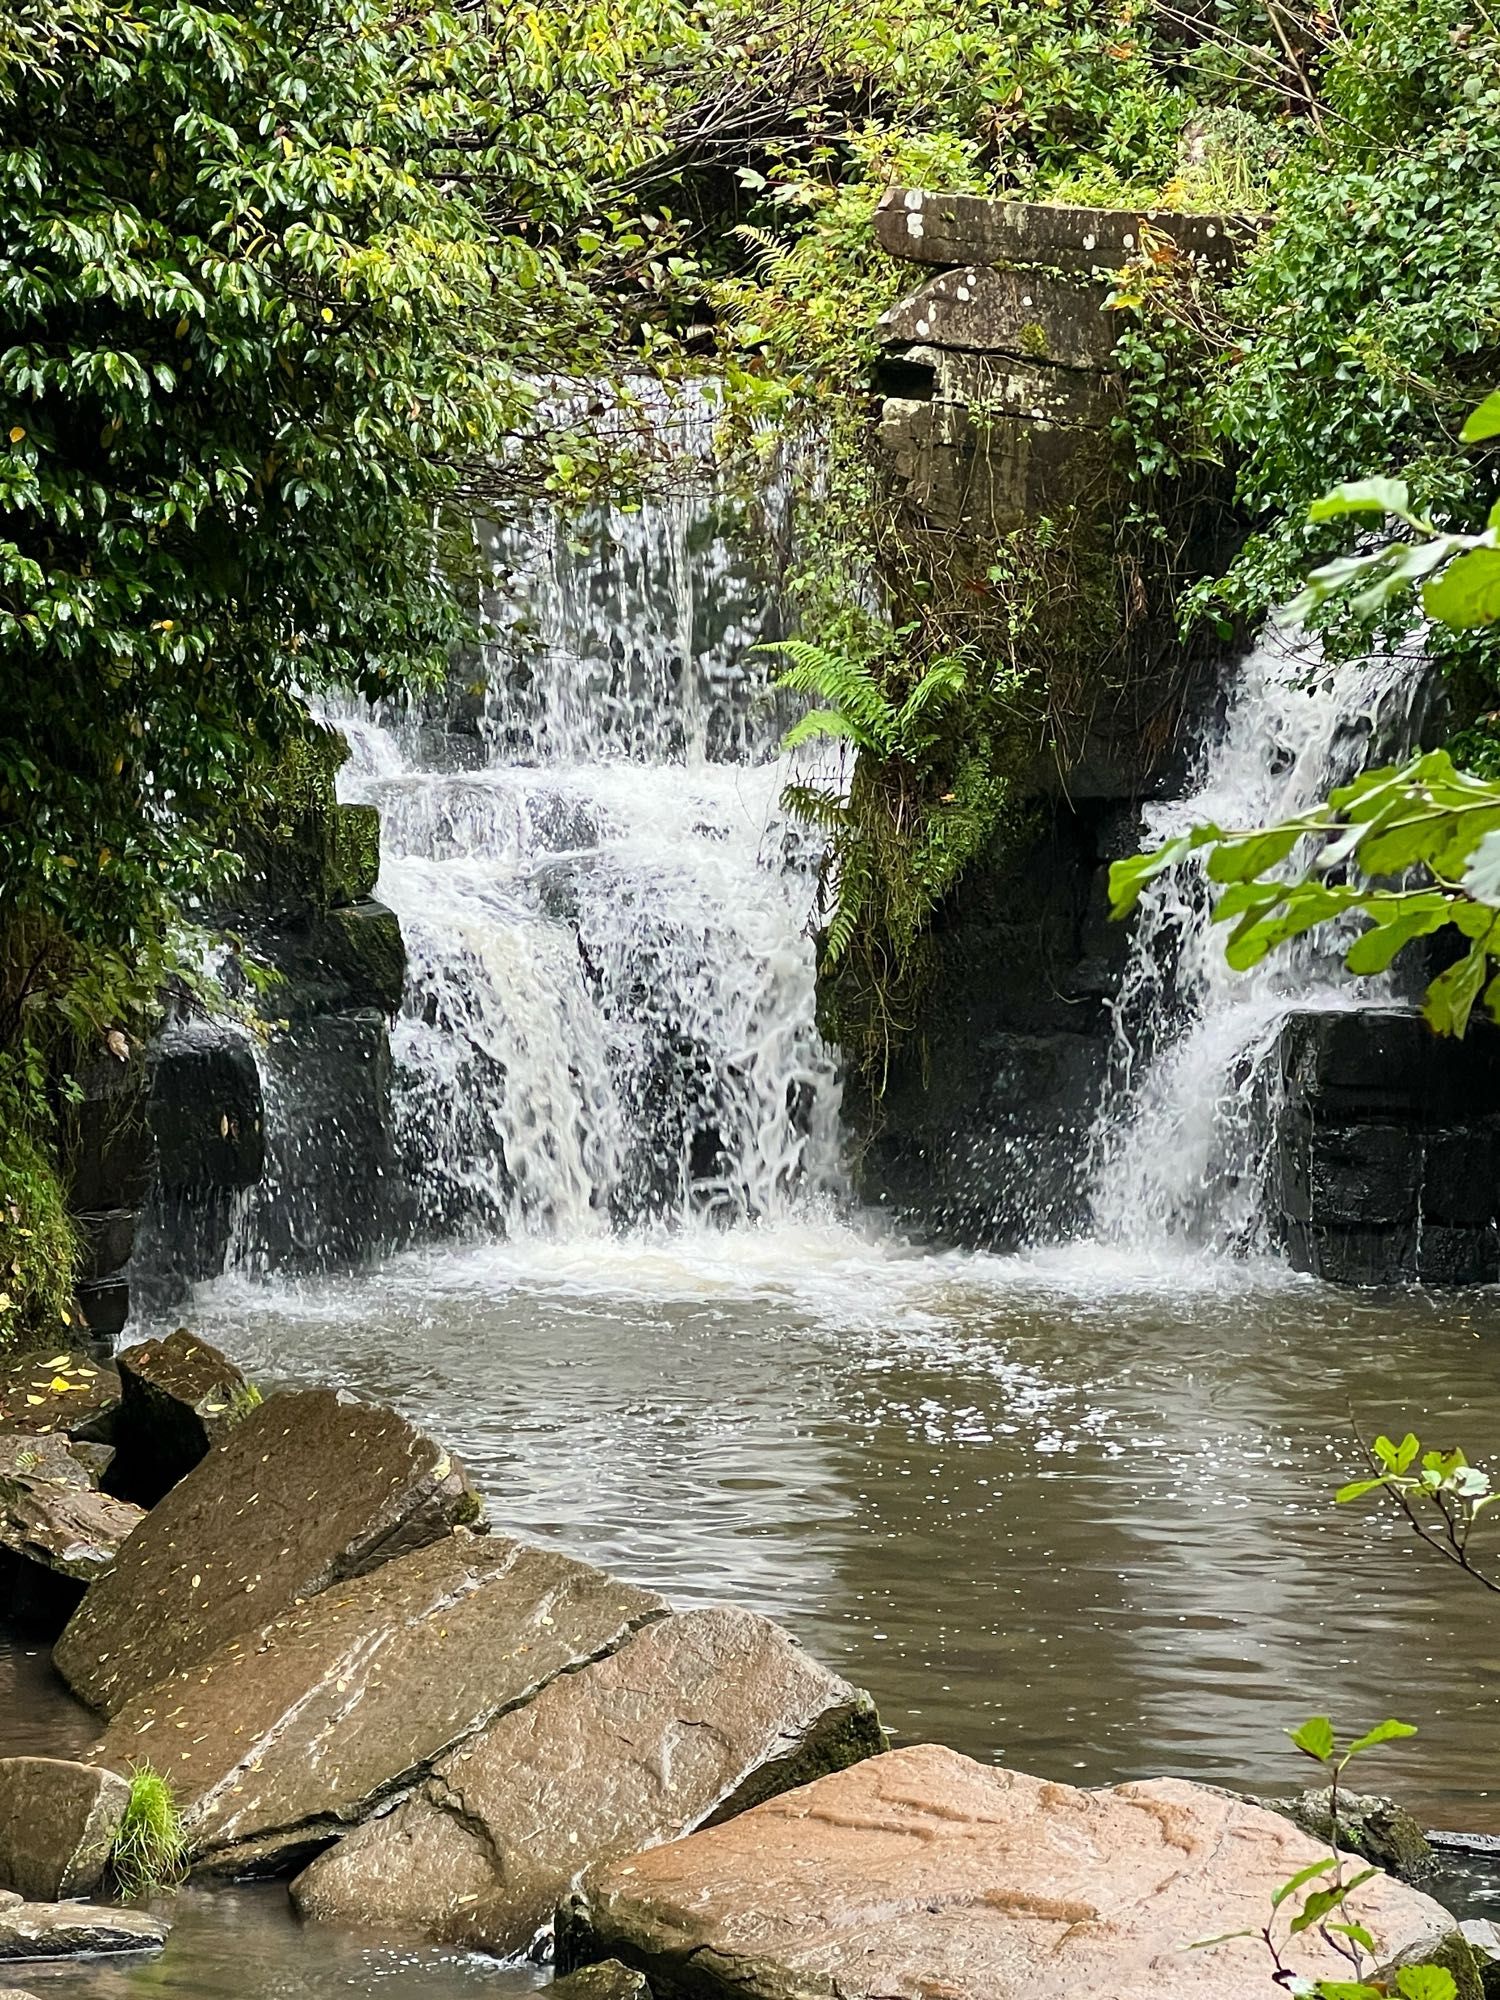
150	1850
38	1243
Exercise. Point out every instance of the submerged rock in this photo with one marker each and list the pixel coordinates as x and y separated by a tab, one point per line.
51	1511
697	1718
923	1872
178	1397
309	1490
58	1822
609	1980
285	1737
1371	1826
72	1930
60	1389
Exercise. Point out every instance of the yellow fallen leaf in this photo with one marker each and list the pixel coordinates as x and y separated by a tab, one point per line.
33	1400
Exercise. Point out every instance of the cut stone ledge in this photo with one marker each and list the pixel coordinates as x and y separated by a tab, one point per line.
922	1872
696	1719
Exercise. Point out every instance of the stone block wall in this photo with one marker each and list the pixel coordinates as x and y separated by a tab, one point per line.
1388	1159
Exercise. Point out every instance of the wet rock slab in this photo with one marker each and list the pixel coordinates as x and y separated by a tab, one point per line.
309	1490
698	1717
58	1822
73	1930
178	1397
285	1737
59	1389
51	1512
922	1872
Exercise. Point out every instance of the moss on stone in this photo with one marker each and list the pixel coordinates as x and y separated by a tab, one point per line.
38	1243
305	853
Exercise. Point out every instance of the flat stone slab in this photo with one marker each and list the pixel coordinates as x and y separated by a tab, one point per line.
930	228
59	1389
697	1718
286	1737
924	1873
75	1930
1032	316
309	1490
51	1511
178	1397
58	1822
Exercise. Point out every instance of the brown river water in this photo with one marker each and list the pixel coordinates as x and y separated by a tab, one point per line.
1071	1511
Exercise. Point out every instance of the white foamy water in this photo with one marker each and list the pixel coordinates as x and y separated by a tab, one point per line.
1182	1144
610	1007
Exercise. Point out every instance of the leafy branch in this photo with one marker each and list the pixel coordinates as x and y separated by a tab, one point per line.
1441	1495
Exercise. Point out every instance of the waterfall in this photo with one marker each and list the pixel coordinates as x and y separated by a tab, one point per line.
609	1015
1181	1147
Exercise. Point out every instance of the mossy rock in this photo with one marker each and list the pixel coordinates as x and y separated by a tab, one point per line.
304	852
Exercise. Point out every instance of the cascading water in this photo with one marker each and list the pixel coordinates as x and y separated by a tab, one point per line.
1180	1149
610	1004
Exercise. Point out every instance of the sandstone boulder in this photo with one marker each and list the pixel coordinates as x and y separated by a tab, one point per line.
697	1718
58	1822
73	1930
178	1397
922	1872
283	1738
61	1389
309	1490
51	1512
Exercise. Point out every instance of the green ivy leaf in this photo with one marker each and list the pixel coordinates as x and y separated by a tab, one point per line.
1383	1732
1467	594
1483	422
1315	1738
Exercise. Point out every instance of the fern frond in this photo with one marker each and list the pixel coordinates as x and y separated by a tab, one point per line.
944	681
817	724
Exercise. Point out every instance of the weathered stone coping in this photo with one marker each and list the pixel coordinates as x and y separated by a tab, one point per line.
924	227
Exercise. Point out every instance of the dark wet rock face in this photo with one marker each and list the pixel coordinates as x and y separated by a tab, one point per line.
66	1390
309	1490
695	1719
58	1822
922	1872
179	1396
73	1930
51	1511
288	1734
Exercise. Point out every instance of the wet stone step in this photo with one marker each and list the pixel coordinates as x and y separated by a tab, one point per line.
73	1930
290	1734
697	1718
310	1489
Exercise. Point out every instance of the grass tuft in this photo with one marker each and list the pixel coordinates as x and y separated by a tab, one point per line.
150	1850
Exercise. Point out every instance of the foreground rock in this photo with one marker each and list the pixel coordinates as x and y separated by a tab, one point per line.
697	1718
71	1930
58	1822
921	1872
309	1490
61	1389
51	1512
178	1398
283	1739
